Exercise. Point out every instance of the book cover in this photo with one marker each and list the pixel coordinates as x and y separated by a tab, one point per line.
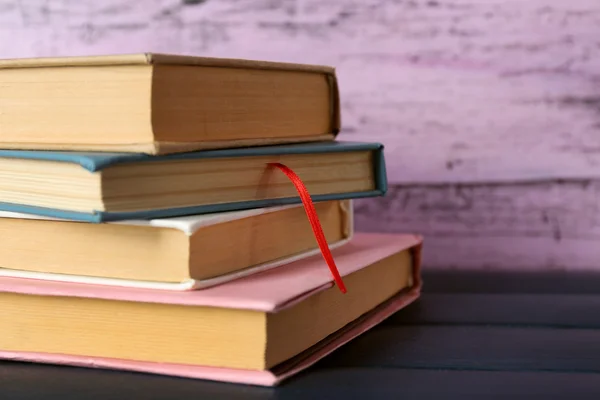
56	129
188	225
271	292
98	161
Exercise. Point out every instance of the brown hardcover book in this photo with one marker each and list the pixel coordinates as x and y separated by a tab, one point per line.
158	104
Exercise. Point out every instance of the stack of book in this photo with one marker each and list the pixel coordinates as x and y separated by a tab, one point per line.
153	218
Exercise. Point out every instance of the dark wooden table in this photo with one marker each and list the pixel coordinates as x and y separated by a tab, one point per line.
472	335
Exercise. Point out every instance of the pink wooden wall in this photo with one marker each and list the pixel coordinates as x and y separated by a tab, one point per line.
489	109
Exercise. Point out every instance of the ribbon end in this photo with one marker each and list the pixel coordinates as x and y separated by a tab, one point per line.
340	284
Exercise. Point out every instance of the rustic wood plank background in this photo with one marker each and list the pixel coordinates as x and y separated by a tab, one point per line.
489	109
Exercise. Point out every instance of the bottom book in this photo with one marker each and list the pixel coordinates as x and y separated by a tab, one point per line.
256	330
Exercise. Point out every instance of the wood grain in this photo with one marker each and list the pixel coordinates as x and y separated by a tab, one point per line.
529	225
479	348
551	311
497	89
461	92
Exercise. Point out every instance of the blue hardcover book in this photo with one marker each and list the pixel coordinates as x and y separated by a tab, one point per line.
98	187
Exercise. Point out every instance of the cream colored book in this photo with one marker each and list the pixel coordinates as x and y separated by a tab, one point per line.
158	104
182	253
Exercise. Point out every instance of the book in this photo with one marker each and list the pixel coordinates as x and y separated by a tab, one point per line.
182	253
161	103
260	329
100	187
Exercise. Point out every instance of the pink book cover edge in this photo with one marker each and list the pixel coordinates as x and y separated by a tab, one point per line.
267	291
260	378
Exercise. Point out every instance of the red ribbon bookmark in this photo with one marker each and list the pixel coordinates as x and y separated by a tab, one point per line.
311	213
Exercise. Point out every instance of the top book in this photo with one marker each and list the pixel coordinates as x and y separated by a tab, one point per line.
160	104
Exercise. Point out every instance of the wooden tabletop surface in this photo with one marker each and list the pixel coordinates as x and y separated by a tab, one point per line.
471	335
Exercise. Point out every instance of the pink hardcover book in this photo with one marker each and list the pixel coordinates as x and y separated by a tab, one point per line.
271	291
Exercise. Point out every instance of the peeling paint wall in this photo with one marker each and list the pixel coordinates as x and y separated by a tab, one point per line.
489	109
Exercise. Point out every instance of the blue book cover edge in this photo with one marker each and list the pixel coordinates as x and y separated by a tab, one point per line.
379	169
96	161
